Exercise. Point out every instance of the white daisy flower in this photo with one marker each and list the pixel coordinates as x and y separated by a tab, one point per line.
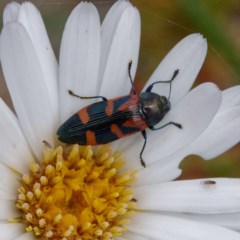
76	192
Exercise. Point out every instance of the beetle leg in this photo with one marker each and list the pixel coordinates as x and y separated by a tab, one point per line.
175	73
133	89
178	125
144	144
75	95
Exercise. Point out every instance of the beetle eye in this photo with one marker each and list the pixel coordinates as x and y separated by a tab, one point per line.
146	109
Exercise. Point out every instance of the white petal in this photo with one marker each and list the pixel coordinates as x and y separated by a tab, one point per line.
228	220
79	58
159	172
160	227
194	112
28	90
11	12
231	98
31	19
119	44
187	56
10	231
8	184
133	236
191	196
125	145
26	236
29	16
222	134
224	130
14	150
8	209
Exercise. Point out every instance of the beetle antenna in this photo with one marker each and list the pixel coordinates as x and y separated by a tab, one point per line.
175	73
173	77
170	90
133	89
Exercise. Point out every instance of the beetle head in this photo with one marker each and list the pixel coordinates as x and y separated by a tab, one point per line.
154	107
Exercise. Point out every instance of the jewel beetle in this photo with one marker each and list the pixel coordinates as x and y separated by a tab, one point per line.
111	119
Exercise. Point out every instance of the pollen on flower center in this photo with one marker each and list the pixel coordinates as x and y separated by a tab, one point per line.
77	193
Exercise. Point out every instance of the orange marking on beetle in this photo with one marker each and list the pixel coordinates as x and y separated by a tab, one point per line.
131	104
83	115
117	131
129	123
91	138
136	122
109	108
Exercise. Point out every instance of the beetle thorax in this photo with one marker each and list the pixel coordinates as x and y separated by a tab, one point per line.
154	107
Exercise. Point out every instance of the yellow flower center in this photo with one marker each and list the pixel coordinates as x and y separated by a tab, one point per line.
77	193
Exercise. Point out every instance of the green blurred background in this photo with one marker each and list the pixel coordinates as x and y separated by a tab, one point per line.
164	23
